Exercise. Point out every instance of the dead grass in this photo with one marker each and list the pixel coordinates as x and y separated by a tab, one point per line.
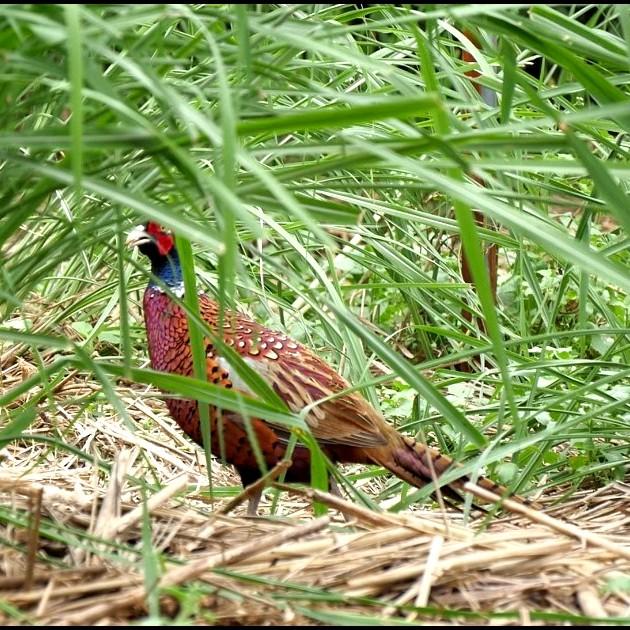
82	564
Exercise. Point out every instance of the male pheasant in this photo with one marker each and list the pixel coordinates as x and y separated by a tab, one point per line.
347	427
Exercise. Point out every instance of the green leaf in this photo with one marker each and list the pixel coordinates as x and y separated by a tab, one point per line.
336	117
196	389
616	199
18	425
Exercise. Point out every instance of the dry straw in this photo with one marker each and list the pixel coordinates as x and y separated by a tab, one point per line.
273	570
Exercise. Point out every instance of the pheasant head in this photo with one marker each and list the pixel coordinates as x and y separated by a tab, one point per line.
158	245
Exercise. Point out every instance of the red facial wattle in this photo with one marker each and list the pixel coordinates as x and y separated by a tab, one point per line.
163	240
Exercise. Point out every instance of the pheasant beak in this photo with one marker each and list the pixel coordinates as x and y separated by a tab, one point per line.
137	236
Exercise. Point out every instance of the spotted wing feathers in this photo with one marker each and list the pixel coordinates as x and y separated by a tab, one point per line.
302	380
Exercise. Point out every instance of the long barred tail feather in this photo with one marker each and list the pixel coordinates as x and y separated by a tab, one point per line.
420	465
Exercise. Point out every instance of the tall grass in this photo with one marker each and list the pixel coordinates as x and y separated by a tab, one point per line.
324	161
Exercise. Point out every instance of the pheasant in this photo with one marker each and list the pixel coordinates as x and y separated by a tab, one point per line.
347	427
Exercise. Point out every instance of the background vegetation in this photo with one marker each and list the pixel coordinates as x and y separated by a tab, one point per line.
324	161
